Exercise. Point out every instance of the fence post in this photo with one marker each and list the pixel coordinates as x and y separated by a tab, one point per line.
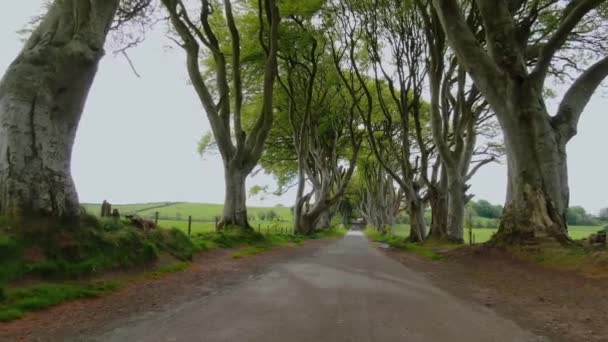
156	218
189	224
216	224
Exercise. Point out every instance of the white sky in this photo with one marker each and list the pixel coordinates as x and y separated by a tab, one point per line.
137	138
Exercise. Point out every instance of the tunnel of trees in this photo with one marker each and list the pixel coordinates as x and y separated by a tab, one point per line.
372	107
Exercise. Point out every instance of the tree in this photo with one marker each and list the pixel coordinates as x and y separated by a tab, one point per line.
390	102
484	208
240	147
578	216
522	40
315	124
603	214
380	202
42	95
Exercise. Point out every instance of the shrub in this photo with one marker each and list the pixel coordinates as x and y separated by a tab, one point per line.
262	215
271	215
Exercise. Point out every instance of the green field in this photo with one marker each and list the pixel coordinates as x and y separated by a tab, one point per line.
175	215
198	211
484	234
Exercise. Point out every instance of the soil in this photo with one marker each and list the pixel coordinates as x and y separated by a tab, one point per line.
561	305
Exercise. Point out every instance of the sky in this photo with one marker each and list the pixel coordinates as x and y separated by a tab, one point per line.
138	136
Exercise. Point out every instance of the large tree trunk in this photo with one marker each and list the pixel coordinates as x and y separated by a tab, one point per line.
235	200
323	221
456	194
300	201
317	217
538	178
42	96
439	209
417	224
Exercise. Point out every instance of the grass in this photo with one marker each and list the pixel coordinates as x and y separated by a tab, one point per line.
64	254
400	242
18	302
482	235
258	242
56	252
253	250
199	211
168	269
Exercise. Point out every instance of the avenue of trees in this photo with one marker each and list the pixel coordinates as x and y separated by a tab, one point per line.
373	107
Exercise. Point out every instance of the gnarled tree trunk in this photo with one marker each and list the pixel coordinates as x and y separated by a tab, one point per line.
42	96
439	209
456	199
235	200
417	224
538	191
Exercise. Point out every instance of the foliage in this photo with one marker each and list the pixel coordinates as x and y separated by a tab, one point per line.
578	216
485	209
603	214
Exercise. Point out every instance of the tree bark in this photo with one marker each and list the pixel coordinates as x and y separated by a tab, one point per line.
439	209
300	200
42	96
235	200
538	191
323	221
417	224
456	193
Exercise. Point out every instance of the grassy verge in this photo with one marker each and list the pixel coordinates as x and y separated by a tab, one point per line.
64	255
481	235
576	258
18	302
268	242
58	258
401	243
40	251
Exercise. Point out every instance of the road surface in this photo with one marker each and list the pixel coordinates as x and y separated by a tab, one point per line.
347	291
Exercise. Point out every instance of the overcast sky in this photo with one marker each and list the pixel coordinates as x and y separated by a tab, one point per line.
137	138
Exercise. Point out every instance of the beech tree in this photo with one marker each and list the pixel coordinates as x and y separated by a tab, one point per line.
459	114
314	144
222	90
510	68
379	200
42	95
390	101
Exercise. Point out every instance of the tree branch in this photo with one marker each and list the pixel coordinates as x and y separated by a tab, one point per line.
576	98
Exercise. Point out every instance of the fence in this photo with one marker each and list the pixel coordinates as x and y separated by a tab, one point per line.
195	225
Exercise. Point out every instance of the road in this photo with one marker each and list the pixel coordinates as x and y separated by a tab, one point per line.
347	291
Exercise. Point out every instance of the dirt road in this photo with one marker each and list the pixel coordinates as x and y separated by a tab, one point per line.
347	291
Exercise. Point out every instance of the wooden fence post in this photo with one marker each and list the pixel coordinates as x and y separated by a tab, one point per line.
216	224
189	224
156	218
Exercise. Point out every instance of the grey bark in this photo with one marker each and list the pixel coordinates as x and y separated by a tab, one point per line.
42	96
538	191
235	208
240	150
439	208
380	201
417	224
